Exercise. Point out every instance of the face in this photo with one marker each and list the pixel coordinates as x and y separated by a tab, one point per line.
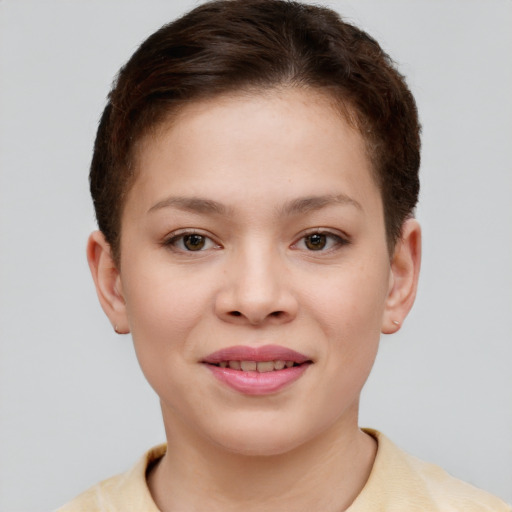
255	276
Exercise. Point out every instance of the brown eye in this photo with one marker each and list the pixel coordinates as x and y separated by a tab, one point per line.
194	242
190	242
316	241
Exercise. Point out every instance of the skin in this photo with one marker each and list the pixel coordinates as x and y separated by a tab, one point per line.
279	166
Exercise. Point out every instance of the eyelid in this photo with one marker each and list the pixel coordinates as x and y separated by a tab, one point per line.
341	238
172	238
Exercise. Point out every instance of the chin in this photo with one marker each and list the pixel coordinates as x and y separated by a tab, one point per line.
263	439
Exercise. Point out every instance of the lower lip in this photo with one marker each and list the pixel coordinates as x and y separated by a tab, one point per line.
256	383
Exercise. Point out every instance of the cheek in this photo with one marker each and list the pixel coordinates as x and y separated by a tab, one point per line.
163	308
349	311
351	302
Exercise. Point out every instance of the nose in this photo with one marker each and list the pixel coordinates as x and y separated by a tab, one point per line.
257	290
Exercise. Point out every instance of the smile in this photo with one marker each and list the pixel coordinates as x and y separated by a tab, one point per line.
257	371
257	366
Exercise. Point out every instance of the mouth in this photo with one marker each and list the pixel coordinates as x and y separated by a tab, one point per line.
257	371
256	366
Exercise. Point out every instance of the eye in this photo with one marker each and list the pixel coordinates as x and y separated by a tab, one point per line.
316	241
194	242
320	241
191	242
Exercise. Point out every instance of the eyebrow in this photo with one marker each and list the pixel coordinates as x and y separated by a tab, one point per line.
313	203
295	207
191	204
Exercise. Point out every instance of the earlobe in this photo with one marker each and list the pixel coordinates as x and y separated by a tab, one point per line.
107	281
405	267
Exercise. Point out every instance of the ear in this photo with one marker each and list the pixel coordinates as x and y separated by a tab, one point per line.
107	281
405	268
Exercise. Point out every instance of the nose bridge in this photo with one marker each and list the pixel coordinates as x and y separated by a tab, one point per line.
257	285
257	273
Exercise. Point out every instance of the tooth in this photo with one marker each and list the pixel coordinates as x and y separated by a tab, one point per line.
279	365
248	366
234	365
289	364
223	364
265	366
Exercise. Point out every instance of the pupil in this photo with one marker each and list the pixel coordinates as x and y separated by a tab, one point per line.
194	242
316	242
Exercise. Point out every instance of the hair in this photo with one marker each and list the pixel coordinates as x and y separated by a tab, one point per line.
225	46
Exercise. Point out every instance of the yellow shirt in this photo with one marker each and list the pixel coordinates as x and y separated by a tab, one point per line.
398	482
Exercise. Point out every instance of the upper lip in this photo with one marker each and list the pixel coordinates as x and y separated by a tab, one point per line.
260	353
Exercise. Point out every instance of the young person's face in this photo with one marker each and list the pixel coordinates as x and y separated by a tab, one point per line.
254	228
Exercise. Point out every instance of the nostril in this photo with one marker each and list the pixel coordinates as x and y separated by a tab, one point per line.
236	313
276	314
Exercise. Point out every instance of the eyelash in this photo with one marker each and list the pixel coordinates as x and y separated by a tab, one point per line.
180	237
336	241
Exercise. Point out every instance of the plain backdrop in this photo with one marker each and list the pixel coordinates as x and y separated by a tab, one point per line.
74	405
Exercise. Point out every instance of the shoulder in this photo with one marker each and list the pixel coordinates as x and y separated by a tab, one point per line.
446	489
100	497
401	482
126	492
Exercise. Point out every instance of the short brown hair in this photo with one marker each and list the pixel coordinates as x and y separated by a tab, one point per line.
228	45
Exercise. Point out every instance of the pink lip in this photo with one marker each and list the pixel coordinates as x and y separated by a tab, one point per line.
262	353
254	382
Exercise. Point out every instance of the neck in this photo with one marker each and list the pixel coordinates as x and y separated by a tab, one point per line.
326	473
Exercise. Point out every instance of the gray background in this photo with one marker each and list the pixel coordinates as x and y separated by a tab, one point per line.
74	405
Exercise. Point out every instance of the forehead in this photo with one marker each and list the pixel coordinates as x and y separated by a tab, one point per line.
293	138
285	99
